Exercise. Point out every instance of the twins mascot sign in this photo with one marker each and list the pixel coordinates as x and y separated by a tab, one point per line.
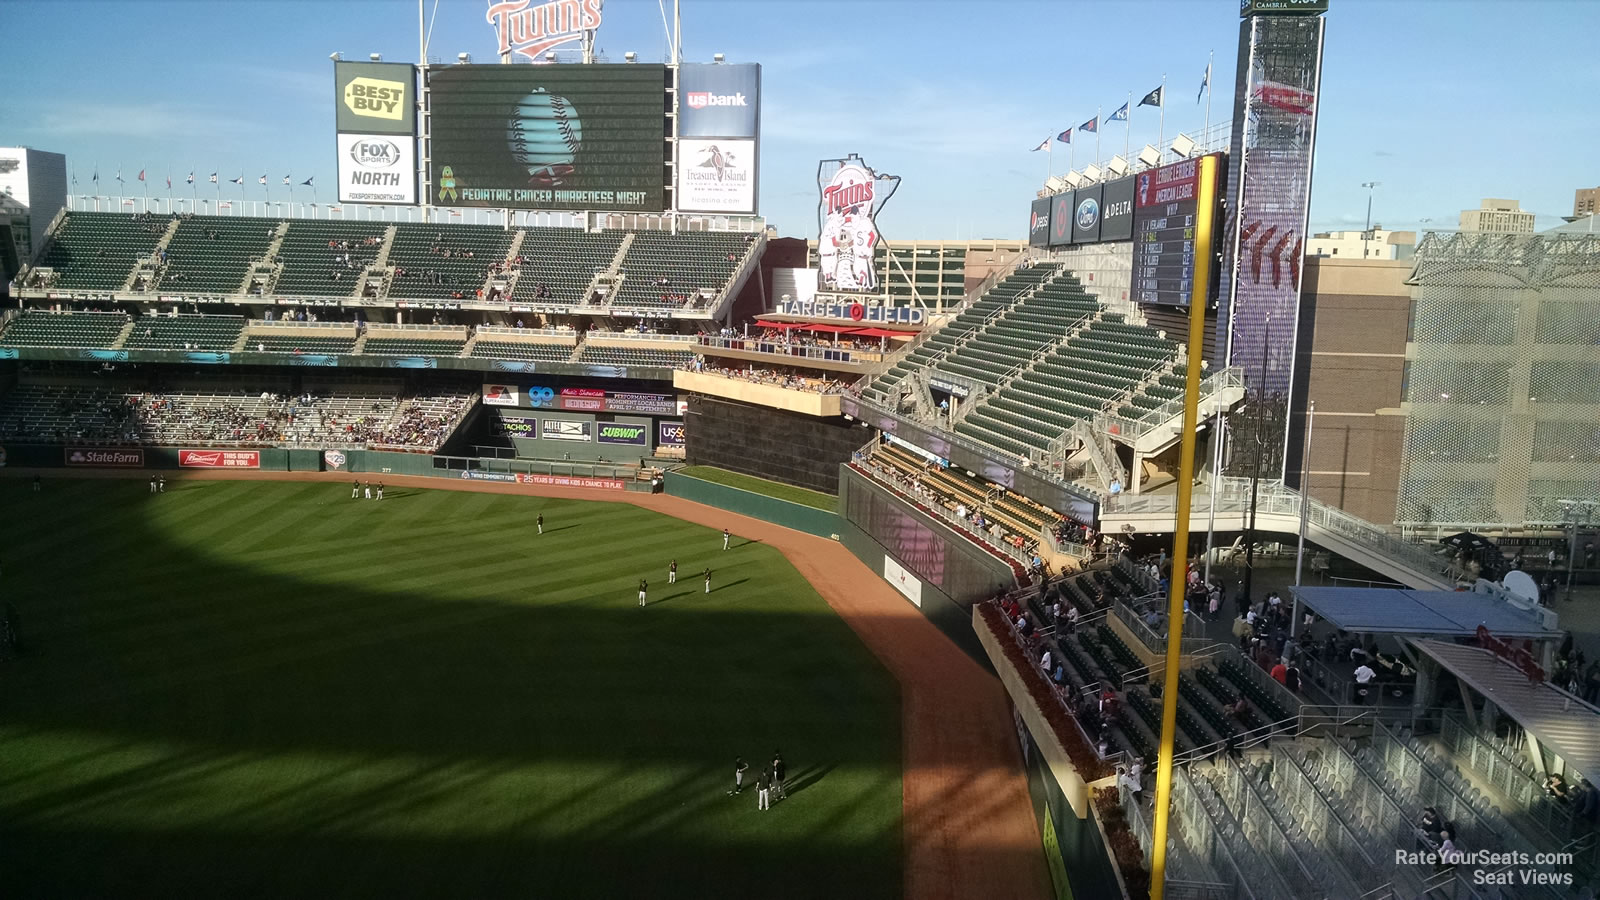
851	196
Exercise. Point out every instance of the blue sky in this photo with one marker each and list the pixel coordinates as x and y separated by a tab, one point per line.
1442	101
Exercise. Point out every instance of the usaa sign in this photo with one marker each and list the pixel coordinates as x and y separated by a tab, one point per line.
375	97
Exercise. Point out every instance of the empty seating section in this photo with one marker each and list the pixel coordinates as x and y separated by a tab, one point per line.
93	251
522	350
690	262
562	261
1155	392
234	417
631	356
313	254
967	322
41	328
212	254
1095	367
433	262
184	333
399	346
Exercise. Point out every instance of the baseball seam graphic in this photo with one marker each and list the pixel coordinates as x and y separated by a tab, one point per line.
559	106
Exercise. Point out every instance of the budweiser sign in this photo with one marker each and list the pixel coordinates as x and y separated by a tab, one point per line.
219	459
532	29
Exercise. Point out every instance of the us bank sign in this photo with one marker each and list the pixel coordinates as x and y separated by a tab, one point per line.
855	313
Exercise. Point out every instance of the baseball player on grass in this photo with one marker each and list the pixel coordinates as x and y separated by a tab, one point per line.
643	585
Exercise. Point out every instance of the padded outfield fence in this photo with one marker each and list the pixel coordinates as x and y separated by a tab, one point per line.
799	517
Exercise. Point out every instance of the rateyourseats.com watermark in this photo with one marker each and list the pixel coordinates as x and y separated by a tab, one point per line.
1498	867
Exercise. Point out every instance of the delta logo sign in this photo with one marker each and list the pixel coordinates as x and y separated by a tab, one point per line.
533	29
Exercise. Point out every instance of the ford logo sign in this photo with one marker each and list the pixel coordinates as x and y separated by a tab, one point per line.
1088	213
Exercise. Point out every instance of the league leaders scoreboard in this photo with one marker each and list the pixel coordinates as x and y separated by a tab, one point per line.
1166	218
549	137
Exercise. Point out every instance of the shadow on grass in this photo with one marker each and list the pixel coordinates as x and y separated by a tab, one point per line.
322	733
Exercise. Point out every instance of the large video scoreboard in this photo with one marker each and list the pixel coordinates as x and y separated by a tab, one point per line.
1166	218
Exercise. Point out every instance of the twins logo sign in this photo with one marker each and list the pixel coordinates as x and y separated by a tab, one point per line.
851	196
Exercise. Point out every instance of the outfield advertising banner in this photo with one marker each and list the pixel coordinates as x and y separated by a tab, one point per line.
376	168
95	456
1061	211
618	433
549	137
501	395
376	98
578	481
1116	211
1039	223
717	176
719	100
903	581
670	434
219	459
514	426
1086	215
566	430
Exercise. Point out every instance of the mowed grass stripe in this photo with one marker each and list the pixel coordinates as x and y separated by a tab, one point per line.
271	689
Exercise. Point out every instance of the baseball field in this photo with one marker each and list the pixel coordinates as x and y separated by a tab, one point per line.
262	688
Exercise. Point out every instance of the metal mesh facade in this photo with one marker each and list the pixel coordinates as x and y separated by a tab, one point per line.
1503	380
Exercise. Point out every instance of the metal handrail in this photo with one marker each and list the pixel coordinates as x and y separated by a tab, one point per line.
1133	427
868	468
637	336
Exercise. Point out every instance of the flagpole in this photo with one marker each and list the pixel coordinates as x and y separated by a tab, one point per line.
1210	60
1161	133
1127	131
1097	130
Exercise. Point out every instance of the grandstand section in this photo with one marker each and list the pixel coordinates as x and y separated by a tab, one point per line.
560	264
44	328
435	263
94	252
212	254
325	258
373	417
682	271
184	332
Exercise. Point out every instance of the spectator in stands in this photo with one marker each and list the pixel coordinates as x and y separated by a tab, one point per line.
1364	676
1556	786
1072	620
1044	661
1280	673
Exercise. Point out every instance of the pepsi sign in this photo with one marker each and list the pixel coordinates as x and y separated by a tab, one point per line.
1039	223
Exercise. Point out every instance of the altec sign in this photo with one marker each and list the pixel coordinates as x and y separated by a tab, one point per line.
532	29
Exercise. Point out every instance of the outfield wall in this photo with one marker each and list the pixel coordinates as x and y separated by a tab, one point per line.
799	517
775	444
939	570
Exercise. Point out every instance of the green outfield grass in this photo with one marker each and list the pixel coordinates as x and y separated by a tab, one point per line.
802	496
244	689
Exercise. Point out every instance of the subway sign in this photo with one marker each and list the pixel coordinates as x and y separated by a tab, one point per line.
618	433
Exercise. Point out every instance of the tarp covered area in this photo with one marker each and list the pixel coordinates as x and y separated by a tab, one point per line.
1421	613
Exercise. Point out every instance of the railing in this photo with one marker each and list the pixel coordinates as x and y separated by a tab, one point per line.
1135	427
1077	551
495	330
781	349
1157	643
379	329
251	324
511	465
638	336
1274	498
1506	773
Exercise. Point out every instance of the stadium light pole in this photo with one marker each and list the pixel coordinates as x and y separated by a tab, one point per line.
1180	530
1367	234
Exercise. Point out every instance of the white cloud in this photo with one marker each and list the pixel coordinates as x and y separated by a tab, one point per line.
136	120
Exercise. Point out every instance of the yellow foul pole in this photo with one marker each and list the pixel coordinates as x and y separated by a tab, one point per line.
1205	210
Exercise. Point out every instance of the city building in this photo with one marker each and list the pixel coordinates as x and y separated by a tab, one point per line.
35	182
1583	202
935	274
1497	216
1375	244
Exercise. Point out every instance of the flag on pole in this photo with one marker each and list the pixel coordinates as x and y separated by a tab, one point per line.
169	182
74	179
1204	83
141	174
285	179
190	179
1065	137
1092	126
1043	145
213	178
119	174
1121	115
1152	99
307	182
239	180
95	178
262	179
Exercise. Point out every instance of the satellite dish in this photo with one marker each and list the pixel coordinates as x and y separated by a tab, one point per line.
1522	584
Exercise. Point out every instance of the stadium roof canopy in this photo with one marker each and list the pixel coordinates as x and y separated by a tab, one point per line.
1420	613
1560	721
